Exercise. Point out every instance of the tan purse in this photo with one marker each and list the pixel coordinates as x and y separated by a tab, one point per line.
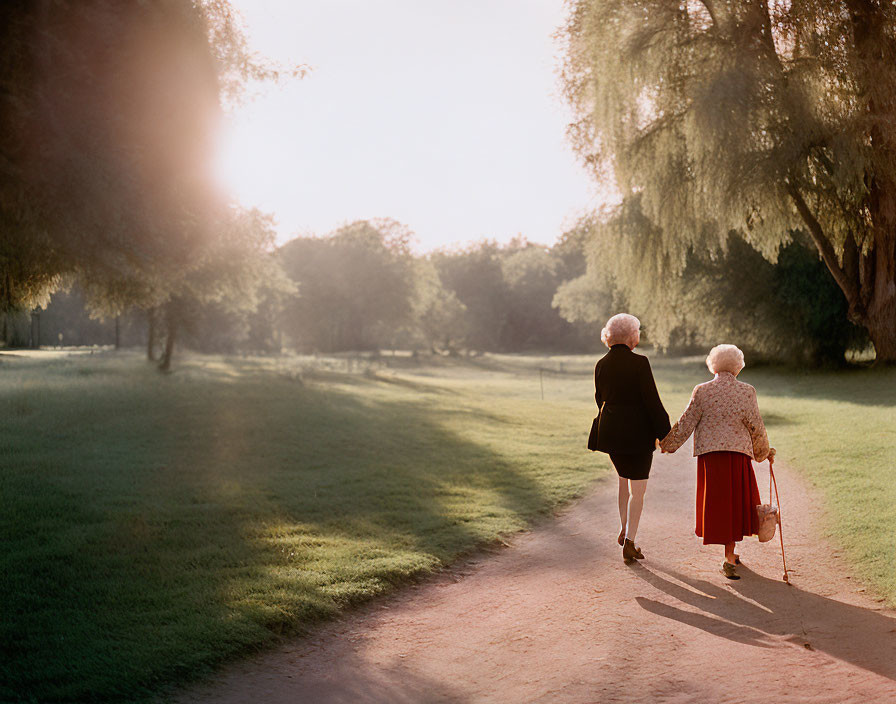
768	521
768	514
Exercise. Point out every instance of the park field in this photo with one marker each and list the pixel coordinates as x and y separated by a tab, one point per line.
156	525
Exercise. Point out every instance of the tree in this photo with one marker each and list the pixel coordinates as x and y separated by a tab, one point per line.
748	115
476	277
106	162
108	115
229	281
438	315
355	287
791	310
531	276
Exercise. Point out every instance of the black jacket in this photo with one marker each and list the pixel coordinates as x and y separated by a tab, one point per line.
631	415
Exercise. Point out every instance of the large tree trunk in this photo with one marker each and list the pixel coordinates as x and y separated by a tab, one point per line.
883	335
171	321
875	274
868	280
880	312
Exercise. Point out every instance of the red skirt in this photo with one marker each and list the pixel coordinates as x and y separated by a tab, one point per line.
727	496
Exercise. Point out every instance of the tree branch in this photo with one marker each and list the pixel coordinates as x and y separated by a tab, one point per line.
708	4
848	286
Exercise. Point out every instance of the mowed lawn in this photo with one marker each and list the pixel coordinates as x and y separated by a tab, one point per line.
154	525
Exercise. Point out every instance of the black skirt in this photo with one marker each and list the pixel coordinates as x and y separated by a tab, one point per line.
632	465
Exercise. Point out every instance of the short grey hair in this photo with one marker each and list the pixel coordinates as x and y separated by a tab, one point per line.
623	329
725	358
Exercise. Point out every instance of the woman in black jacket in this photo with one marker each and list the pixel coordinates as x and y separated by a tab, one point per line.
630	422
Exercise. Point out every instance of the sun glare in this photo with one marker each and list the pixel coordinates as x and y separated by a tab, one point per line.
235	163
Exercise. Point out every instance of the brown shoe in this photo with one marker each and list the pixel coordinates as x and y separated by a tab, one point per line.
729	570
621	538
629	552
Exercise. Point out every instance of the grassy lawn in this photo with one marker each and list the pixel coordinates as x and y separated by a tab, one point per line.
154	526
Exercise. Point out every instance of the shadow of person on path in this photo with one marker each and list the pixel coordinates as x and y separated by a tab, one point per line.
761	612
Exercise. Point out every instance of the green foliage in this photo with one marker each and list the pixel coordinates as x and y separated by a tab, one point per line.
508	292
476	278
788	311
231	506
219	295
584	300
755	117
531	276
107	164
439	318
355	287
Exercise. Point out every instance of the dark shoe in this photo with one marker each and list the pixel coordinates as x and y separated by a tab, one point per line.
638	554
621	537
729	570
629	552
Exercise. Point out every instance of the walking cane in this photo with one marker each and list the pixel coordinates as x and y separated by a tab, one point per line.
773	482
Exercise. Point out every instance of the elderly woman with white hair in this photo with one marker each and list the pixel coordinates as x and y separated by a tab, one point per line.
723	414
630	422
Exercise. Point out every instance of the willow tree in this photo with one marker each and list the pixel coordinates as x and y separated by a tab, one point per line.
758	116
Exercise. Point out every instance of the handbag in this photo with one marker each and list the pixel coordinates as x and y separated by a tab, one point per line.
769	514
768	521
592	436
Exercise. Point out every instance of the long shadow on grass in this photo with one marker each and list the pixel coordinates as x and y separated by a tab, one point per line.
155	528
773	611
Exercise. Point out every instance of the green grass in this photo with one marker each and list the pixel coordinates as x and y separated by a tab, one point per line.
155	526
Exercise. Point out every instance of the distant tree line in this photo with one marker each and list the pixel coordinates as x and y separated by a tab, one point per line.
363	288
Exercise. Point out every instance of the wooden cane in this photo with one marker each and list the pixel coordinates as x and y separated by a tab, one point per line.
773	482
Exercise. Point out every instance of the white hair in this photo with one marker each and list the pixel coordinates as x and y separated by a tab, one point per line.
623	329
725	358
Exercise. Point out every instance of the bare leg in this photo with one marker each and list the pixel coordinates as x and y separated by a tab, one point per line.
729	553
623	504
635	506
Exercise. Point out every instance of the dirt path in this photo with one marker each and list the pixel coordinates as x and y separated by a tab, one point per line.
558	617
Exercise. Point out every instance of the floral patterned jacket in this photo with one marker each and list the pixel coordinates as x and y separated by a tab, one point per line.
723	414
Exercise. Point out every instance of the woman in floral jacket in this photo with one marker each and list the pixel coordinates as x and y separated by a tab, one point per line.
728	431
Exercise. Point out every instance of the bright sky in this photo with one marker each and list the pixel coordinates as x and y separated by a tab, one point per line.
445	116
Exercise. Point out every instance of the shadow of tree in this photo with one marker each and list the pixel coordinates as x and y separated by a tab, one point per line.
157	526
